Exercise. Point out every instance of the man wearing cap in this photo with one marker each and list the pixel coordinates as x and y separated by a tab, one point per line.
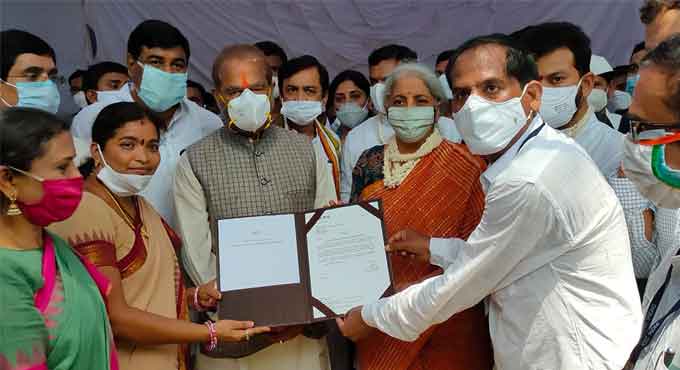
604	91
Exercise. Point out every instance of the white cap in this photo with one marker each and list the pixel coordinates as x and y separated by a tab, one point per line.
599	65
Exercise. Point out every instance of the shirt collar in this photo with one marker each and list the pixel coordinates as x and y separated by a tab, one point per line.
576	130
504	161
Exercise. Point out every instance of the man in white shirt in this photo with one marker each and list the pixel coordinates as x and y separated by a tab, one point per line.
303	83
562	52
158	75
551	252
603	90
652	162
376	130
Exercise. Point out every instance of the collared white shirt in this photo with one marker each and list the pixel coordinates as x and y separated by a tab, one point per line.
551	254
189	124
603	144
372	132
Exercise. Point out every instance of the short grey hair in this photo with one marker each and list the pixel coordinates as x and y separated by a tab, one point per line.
651	8
421	71
667	57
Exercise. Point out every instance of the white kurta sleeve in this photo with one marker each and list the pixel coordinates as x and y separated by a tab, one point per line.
516	218
346	167
192	219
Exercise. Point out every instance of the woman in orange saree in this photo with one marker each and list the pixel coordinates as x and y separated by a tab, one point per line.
121	233
432	186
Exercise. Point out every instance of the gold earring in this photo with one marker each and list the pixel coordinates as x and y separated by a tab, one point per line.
13	209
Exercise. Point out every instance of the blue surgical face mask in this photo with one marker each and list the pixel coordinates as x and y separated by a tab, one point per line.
42	95
161	90
411	124
631	82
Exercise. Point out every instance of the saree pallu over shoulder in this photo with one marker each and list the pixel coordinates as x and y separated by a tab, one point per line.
67	316
441	197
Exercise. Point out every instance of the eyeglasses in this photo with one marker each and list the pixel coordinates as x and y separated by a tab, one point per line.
651	133
34	77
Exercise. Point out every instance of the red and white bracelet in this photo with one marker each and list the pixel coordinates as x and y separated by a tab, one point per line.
212	344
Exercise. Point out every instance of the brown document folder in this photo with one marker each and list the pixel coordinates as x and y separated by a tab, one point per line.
290	304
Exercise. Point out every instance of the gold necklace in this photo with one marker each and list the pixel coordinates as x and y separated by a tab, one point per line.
126	217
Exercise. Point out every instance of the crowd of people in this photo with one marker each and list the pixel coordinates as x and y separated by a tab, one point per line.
531	198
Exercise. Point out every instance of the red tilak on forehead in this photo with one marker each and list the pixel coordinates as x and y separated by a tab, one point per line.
244	81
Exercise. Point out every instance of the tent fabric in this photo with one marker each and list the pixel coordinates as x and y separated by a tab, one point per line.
340	33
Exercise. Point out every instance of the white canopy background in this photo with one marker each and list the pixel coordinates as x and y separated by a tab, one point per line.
340	33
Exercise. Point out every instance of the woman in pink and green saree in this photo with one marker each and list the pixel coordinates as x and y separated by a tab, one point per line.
52	309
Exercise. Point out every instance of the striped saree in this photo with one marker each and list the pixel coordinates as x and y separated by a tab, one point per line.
441	197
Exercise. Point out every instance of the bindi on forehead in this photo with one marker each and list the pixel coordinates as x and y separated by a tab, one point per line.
244	80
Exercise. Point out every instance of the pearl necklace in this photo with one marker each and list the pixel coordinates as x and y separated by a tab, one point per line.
397	166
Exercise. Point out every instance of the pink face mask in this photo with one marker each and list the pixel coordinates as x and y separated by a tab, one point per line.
60	200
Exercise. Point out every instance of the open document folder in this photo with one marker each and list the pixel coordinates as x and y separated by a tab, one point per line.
305	267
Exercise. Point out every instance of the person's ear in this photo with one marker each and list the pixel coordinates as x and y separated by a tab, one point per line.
587	85
532	97
7	182
91	96
96	155
324	101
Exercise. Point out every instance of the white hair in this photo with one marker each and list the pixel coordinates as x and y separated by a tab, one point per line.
421	71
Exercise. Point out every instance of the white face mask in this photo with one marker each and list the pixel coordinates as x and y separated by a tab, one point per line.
121	184
378	97
351	114
445	85
558	105
250	111
620	101
597	99
109	97
301	112
488	127
79	99
637	165
275	83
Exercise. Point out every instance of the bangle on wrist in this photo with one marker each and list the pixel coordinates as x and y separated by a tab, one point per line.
212	331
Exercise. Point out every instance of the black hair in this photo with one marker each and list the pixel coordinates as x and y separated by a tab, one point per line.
96	71
23	135
156	34
348	75
112	118
638	47
518	63
398	52
667	57
14	43
298	64
545	38
196	85
77	74
444	56
272	48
